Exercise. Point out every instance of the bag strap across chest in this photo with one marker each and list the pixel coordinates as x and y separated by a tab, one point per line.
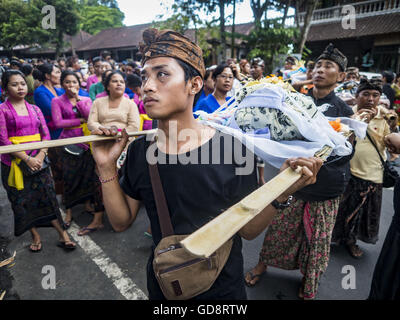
161	202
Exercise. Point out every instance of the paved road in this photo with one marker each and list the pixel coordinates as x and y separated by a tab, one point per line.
109	265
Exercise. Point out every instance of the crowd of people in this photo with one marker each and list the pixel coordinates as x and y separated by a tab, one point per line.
337	202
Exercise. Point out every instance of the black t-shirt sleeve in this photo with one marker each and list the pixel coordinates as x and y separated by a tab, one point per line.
346	110
129	175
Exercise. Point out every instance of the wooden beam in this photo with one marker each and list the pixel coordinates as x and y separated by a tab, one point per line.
64	142
206	240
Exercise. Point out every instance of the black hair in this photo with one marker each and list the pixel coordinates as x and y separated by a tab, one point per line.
190	73
71	60
104	76
132	64
111	65
42	70
105	53
97	59
108	79
219	69
16	63
389	75
26	69
5	78
133	81
208	74
67	73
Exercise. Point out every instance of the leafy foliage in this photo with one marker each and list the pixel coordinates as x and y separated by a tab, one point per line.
20	24
270	40
100	17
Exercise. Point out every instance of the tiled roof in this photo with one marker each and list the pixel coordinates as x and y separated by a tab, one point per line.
131	36
115	38
374	25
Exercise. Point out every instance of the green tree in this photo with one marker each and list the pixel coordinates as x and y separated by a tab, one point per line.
67	20
100	17
309	6
269	40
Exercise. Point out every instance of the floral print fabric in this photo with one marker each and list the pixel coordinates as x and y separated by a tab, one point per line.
288	246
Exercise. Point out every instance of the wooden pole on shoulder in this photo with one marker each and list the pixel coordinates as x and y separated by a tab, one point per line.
65	142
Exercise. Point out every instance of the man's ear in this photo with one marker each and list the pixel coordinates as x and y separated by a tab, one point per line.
341	76
196	85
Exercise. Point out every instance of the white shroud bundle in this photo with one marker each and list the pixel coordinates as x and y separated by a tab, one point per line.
263	116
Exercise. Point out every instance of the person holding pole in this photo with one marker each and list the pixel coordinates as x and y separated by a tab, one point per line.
172	79
25	175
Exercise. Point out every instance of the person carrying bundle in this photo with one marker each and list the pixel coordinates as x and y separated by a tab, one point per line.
300	236
172	75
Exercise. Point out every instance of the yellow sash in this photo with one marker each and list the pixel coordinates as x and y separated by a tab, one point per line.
15	178
85	131
143	117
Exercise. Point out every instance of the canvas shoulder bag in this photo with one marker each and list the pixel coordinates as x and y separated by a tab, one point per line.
180	274
389	173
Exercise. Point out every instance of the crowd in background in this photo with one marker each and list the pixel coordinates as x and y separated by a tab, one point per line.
43	100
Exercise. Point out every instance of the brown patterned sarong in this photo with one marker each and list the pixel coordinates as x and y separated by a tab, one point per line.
299	237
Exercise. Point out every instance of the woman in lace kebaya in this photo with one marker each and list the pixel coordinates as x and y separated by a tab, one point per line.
32	196
81	184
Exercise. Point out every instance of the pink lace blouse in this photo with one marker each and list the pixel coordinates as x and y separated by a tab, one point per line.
14	125
64	117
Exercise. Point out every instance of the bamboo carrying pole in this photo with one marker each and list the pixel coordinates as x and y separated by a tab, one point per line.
68	141
206	240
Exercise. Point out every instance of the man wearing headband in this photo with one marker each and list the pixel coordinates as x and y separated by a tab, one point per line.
172	78
360	207
317	204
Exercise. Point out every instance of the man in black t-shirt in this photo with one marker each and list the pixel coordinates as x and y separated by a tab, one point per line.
303	231
198	191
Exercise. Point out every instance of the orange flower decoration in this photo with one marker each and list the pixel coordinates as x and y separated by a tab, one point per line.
336	125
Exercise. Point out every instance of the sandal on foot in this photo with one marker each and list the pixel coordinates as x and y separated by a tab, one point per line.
35	247
355	251
86	230
253	276
66	245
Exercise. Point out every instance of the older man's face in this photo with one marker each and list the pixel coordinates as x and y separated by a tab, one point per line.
368	99
256	71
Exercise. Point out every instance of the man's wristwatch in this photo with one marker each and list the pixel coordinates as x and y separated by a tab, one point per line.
277	205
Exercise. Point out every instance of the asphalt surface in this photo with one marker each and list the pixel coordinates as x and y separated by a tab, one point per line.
86	274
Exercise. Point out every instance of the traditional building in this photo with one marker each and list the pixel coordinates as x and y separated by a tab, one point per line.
123	43
367	32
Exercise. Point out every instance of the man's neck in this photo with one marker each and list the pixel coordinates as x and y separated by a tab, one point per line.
320	93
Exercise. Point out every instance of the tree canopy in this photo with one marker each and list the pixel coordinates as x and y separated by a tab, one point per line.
100	17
